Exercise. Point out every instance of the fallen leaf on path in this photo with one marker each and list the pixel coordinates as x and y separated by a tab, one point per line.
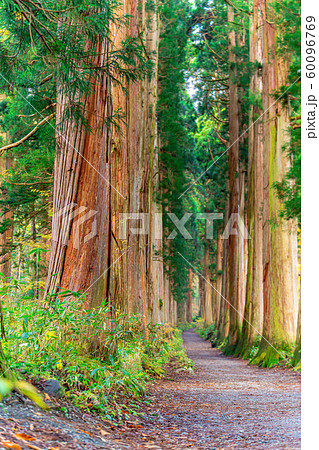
24	437
112	426
104	433
86	432
134	425
8	444
8	418
34	447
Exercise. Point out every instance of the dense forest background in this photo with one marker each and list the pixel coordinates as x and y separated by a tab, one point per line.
169	109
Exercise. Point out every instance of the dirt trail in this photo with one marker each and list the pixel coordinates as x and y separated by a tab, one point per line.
226	403
223	404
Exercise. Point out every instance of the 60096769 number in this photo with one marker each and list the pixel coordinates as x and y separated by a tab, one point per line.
310	47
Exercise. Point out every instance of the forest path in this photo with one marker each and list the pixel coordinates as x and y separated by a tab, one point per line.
224	403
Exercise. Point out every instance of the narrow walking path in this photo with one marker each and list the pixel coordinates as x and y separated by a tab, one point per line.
223	404
226	403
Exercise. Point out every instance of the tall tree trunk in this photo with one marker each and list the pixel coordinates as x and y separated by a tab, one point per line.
252	325
280	273
223	328
296	359
208	317
219	276
135	172
7	235
189	310
81	244
181	312
242	266
233	164
34	259
201	294
128	271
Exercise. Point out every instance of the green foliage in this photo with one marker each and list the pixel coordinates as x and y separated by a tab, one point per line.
98	359
176	142
209	333
268	356
186	326
289	43
98	356
296	358
289	189
64	48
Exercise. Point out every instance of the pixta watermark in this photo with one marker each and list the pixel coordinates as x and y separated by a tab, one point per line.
71	220
71	215
139	223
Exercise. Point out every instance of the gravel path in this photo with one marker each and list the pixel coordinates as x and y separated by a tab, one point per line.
226	403
223	404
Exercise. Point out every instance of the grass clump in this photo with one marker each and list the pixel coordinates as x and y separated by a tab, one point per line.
101	359
184	326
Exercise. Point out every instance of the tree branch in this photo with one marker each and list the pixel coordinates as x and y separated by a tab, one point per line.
237	8
25	138
30	184
211	154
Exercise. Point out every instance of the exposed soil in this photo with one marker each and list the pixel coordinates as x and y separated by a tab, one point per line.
224	403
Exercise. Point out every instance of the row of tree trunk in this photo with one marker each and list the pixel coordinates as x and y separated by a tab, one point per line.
257	293
104	173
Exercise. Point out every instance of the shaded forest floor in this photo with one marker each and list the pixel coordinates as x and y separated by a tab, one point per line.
224	403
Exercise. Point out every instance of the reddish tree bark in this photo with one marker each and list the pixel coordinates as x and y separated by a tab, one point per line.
252	325
233	164
280	272
189	310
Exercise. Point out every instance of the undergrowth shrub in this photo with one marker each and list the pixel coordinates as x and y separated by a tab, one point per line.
184	326
101	359
208	333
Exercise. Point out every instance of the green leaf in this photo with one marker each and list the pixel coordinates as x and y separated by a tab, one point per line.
31	392
6	387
